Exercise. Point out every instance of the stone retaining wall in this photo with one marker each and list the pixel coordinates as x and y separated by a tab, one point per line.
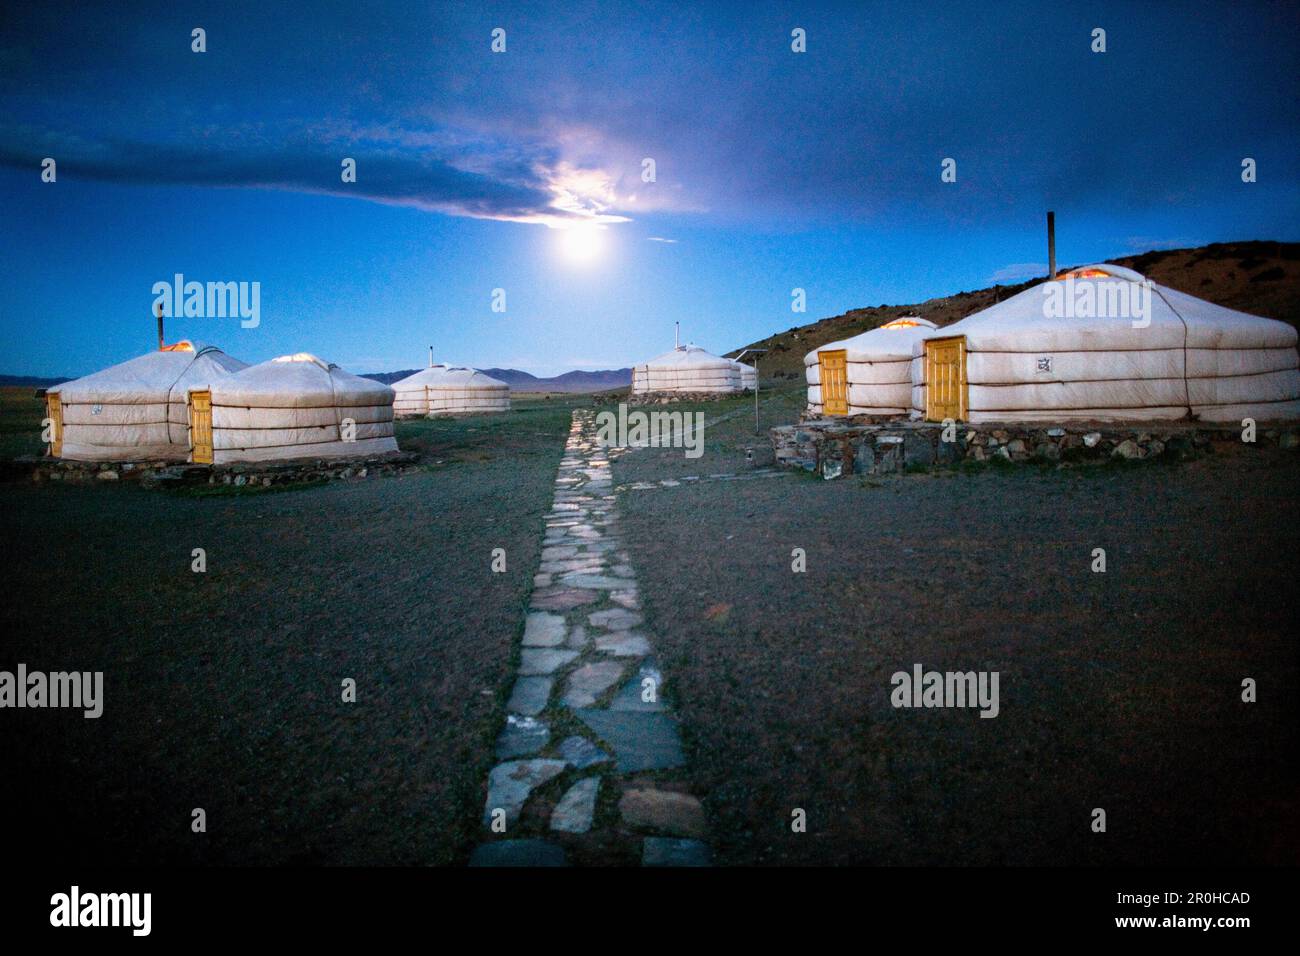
161	474
835	446
668	398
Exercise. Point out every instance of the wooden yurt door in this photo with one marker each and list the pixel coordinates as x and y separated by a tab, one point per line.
835	381
54	412
201	427
945	379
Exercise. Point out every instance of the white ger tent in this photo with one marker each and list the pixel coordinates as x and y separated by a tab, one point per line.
868	374
450	390
294	406
748	375
137	409
460	391
1104	343
686	369
412	394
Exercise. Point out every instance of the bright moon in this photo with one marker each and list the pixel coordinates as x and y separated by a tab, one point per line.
582	243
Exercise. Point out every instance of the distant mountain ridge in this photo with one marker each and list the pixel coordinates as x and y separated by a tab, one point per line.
519	381
30	381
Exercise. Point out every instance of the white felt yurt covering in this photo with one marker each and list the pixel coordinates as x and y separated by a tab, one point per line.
296	406
748	376
136	410
1025	362
687	368
411	393
448	390
877	369
459	391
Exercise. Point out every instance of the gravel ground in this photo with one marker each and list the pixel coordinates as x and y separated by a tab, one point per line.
1118	690
223	689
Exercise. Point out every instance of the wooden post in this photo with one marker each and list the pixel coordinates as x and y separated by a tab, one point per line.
1051	245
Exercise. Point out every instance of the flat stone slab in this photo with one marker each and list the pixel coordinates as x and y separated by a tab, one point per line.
640	741
511	783
542	629
678	814
522	736
615	619
577	638
562	598
518	853
542	660
581	753
530	695
591	564
631	696
627	598
576	808
596	582
666	851
589	681
559	552
623	644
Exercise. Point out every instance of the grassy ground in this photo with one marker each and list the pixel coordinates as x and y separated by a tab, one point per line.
20	422
223	689
1118	690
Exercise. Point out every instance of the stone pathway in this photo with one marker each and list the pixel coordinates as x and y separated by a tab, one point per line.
703	479
591	763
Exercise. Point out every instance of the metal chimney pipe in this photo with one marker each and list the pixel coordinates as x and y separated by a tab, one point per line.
430	356
1051	245
677	335
160	327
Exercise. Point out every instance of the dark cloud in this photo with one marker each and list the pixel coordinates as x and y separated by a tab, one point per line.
416	180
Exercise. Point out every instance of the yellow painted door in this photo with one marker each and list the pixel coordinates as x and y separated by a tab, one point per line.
835	382
945	379
201	427
54	412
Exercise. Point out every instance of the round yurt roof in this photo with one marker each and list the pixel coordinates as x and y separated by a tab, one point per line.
300	380
893	340
153	376
425	376
455	377
448	376
689	357
1056	316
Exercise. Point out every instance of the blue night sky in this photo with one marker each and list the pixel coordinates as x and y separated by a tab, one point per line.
522	170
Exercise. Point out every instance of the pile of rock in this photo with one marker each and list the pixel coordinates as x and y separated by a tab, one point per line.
164	474
669	398
835	447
